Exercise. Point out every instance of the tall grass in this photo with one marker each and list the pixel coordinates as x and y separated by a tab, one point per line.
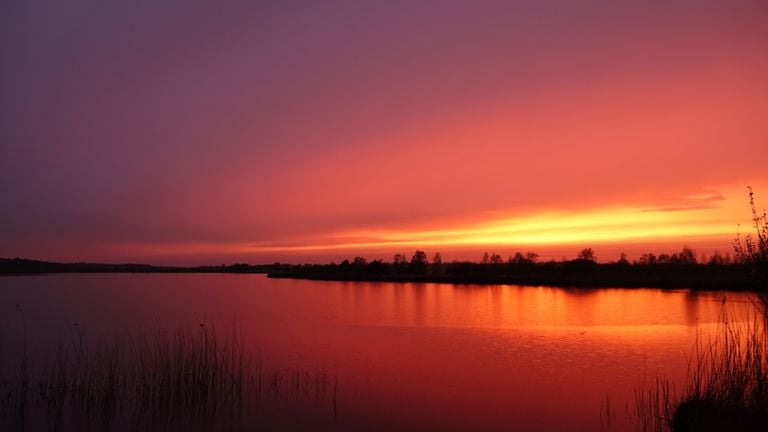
187	379
752	249
653	405
726	387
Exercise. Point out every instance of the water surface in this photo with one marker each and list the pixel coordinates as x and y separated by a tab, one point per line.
407	356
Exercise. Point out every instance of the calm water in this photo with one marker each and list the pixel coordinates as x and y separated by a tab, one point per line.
407	356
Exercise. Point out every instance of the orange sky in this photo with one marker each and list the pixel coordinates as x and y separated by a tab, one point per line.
707	221
199	134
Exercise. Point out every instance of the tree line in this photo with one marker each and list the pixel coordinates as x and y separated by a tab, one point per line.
682	269
419	262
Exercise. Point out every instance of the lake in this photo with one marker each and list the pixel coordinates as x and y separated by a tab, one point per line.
404	356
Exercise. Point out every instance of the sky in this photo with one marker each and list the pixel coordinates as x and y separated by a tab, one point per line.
208	132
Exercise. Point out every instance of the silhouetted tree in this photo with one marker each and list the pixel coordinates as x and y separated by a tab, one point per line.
437	264
486	258
399	263
623	259
520	259
647	259
359	261
685	257
719	259
419	257
586	254
496	259
376	267
419	262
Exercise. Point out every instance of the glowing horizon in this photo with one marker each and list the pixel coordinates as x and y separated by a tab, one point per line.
707	222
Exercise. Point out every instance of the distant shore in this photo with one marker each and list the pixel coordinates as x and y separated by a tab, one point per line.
698	277
576	273
12	266
680	270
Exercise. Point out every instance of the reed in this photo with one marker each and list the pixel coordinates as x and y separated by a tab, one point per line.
726	387
188	379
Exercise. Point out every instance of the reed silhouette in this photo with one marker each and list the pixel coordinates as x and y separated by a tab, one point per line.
753	250
726	388
188	379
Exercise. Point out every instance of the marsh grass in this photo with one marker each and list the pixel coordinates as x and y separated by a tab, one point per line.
653	405
193	378
726	387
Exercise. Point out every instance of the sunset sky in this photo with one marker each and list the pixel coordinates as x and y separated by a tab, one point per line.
202	132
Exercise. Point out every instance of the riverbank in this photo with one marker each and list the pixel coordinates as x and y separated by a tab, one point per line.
560	274
10	266
576	273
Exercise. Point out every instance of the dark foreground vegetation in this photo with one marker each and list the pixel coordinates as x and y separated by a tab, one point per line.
678	270
188	379
726	387
727	384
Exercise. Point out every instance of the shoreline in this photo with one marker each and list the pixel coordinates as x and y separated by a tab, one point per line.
567	274
577	282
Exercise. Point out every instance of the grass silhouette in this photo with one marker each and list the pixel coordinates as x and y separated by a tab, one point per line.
726	387
188	379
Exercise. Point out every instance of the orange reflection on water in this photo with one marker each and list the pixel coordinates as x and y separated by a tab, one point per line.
414	356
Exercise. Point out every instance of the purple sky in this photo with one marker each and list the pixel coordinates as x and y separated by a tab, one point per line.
199	131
